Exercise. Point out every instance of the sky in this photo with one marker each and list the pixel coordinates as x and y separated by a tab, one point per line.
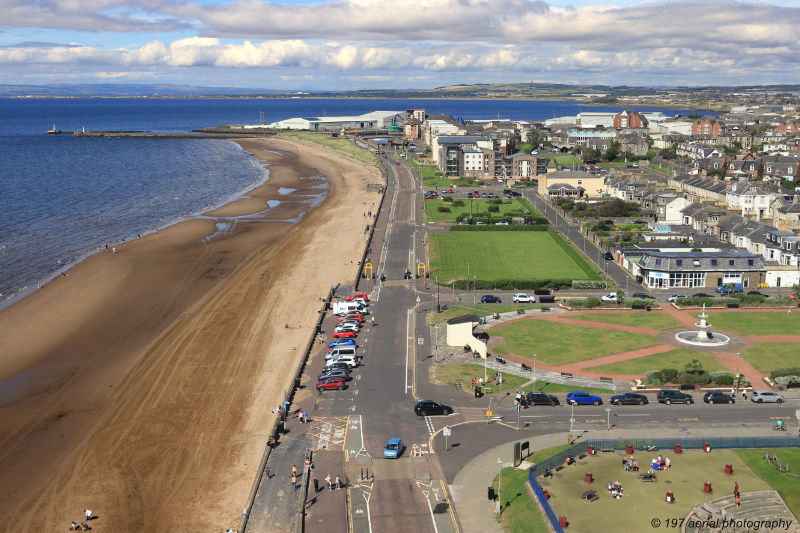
320	45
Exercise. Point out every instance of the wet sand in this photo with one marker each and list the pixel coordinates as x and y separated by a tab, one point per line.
141	385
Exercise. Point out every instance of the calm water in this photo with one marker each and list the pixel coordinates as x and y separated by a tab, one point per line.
64	198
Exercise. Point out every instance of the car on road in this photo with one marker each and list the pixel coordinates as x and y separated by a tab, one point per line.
629	398
344	334
393	449
608	256
765	396
430	407
583	398
610	297
643	296
521	297
540	398
331	384
674	297
490	299
718	397
701	295
756	293
670	396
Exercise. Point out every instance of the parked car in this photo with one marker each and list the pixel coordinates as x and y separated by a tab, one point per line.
643	296
583	398
674	297
669	396
331	384
765	396
346	326
608	256
358	317
629	398
610	297
393	449
540	398
756	293
429	407
336	365
430	197
342	342
357	296
344	334
701	295
490	299
521	297
335	373
718	397
470	195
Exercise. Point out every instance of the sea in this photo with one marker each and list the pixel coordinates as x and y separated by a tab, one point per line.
64	198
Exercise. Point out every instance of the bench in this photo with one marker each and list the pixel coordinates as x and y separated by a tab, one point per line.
648	477
566	375
590	496
545	309
520	311
606	380
607	450
559	467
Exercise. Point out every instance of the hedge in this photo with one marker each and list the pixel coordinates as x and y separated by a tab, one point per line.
492	227
509	284
588	284
779	372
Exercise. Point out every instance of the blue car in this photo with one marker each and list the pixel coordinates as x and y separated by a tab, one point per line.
583	398
342	342
393	449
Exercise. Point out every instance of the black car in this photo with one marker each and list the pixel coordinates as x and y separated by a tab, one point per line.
608	256
331	366
718	397
629	398
756	293
490	299
701	295
540	398
429	407
670	396
470	195
643	295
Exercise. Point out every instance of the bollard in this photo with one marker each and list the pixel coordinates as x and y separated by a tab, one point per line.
678	448
628	449
670	497
587	477
729	469
707	487
706	447
362	474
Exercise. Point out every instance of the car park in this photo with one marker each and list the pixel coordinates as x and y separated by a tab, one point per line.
331	384
643	296
430	407
490	299
521	297
610	297
629	398
675	297
765	396
394	449
540	398
718	397
670	396
344	334
583	398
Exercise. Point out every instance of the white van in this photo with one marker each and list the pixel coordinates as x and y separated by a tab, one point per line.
345	308
349	360
341	350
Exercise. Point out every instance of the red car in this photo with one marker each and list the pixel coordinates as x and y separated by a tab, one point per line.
450	191
331	384
793	296
344	335
430	197
357	295
353	316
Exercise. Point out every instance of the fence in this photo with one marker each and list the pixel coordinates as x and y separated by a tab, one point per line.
666	443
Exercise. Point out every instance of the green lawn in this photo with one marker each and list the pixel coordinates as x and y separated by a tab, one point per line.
767	356
672	359
476	207
777	323
643	502
450	374
519	513
506	255
339	144
563	159
787	486
558	344
480	310
647	320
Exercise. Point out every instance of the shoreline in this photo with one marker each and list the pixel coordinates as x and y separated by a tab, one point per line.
156	368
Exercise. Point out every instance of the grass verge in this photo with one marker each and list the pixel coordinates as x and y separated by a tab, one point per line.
639	320
341	145
672	359
762	323
767	356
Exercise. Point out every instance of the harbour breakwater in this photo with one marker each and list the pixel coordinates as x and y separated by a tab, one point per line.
195	134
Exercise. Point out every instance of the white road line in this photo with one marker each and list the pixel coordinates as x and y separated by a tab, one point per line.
636	414
433	518
408	339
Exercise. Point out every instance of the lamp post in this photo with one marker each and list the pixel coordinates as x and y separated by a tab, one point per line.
608	419
738	375
499	480
438	307
474	288
534	371
467	275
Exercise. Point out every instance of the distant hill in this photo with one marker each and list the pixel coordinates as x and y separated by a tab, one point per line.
117	89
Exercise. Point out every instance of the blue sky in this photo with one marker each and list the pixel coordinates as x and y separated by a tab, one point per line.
352	44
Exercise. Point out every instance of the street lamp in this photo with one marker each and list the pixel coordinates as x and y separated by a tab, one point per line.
474	288
438	307
499	480
534	371
738	375
608	419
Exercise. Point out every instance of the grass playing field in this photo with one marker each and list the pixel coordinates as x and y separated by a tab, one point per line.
476	207
639	320
506	255
558	344
767	356
672	359
744	323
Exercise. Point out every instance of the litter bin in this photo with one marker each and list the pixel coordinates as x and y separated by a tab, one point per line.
587	477
729	469
490	493
628	449
591	449
678	448
670	497
546	494
562	521
706	447
707	487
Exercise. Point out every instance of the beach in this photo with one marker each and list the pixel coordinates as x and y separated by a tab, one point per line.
142	384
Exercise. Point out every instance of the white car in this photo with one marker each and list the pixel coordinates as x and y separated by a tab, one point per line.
522	298
610	297
346	327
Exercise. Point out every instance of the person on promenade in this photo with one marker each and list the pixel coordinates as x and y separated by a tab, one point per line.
294	470
789	312
294	481
328	481
338	482
735	487
744	394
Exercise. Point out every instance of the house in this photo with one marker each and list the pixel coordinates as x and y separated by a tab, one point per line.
574	184
701	270
780	167
790	127
630	119
525	166
633	144
448	154
749	200
748	166
707	126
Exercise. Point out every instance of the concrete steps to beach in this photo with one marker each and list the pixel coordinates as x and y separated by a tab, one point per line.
755	506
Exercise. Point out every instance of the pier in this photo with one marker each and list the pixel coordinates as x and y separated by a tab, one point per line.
195	134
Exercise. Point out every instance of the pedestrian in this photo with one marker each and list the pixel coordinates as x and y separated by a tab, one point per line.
88	514
74	526
372	319
480	382
114	249
735	487
732	391
738	500
294	482
338	482
744	394
294	470
516	405
328	481
789	312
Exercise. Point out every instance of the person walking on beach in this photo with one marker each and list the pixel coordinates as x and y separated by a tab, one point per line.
88	514
735	487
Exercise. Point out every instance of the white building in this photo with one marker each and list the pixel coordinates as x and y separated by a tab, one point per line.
367	121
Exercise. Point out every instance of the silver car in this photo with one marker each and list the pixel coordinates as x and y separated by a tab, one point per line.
765	396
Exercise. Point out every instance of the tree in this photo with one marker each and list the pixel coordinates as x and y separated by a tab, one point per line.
612	208
716	172
667	153
613	152
693	116
694	367
590	155
533	138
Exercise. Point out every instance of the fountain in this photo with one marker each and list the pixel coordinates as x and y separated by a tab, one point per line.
703	335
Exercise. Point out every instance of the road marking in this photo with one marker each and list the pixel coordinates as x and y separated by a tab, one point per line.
408	338
636	414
